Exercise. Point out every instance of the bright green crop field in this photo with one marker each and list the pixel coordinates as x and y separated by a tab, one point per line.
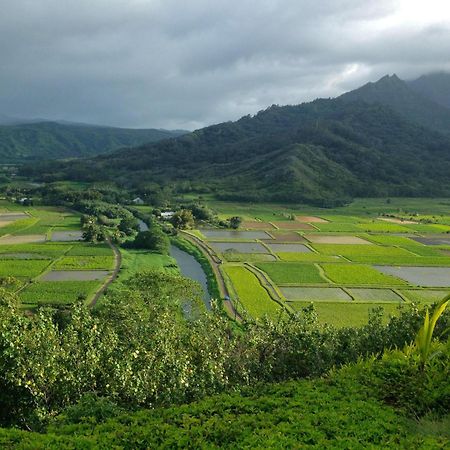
347	268
26	260
292	273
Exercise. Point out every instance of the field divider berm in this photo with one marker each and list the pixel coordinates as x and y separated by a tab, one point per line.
267	284
215	263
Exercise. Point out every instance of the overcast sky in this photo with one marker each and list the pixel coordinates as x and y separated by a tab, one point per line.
190	63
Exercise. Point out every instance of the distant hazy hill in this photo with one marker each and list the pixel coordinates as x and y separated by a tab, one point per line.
435	86
395	93
317	152
51	140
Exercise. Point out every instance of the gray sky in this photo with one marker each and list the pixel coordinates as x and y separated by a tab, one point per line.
190	63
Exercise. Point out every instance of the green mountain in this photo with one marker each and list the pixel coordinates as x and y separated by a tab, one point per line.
52	140
434	86
321	152
397	94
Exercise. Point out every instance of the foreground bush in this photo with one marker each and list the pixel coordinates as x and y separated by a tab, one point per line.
139	350
341	411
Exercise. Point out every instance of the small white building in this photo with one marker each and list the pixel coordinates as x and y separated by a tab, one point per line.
138	201
167	215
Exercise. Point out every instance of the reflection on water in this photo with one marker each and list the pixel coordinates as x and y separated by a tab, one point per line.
191	268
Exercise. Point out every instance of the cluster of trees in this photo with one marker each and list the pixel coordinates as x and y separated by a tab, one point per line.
139	350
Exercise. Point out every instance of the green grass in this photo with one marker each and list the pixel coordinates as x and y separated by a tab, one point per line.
337	227
389	240
424	295
83	249
345	314
49	249
356	250
84	262
57	292
134	261
18	225
252	295
332	413
22	268
383	227
358	274
292	273
307	257
403	261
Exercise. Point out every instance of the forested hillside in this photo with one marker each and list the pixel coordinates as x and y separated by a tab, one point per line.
410	103
320	152
51	140
435	86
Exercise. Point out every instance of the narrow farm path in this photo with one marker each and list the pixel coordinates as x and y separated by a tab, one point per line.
215	261
112	277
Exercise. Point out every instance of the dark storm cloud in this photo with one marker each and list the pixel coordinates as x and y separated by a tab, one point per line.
184	64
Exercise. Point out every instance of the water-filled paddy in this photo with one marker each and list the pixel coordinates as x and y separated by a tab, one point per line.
315	294
23	256
241	247
25	239
289	248
346	240
75	275
375	295
420	276
433	240
229	234
287	237
66	236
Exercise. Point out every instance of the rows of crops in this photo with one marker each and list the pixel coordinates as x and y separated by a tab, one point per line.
344	264
40	244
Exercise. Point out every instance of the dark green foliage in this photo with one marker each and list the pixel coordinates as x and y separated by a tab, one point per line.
235	222
322	153
153	239
338	412
434	86
48	140
405	100
183	219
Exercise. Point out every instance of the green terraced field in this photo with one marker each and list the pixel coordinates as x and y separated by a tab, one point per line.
57	292
358	274
424	295
22	268
345	314
307	257
354	250
84	262
252	295
292	273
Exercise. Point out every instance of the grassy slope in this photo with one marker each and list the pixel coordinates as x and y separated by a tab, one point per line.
332	413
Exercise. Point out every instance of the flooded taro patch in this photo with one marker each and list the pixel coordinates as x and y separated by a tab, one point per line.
239	247
289	248
315	294
345	240
375	295
66	236
24	239
420	276
287	237
75	275
230	234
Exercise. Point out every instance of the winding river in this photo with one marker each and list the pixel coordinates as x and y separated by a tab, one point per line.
192	269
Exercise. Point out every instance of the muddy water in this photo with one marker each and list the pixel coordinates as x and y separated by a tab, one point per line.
142	225
192	269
